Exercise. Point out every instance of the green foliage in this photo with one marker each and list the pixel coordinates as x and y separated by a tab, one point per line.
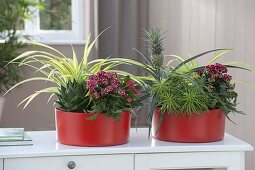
154	42
178	95
12	16
73	97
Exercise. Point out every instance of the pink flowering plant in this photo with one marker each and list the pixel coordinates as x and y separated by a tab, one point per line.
111	94
217	83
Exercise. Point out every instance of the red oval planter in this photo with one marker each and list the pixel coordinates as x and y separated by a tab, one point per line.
74	129
207	127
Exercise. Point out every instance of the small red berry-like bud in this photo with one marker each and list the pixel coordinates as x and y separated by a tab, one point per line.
200	72
130	83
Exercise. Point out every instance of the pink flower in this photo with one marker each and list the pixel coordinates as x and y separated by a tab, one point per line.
129	100
112	75
115	83
103	80
217	68
91	85
102	73
220	75
227	77
96	94
106	85
217	72
107	90
122	92
93	77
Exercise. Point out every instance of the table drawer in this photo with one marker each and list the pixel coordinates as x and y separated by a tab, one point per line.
194	161
94	162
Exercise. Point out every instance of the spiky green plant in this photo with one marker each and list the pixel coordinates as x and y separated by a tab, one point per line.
73	97
154	42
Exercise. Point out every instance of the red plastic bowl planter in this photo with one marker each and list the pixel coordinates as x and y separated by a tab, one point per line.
207	127
74	129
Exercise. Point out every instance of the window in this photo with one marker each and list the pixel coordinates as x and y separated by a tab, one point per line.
61	22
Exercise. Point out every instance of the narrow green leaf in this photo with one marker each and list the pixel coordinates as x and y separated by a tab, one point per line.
194	57
151	112
244	83
181	59
219	55
240	64
35	94
75	62
89	47
144	57
28	80
46	46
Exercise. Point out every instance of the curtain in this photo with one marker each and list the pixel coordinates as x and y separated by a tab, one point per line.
91	24
126	20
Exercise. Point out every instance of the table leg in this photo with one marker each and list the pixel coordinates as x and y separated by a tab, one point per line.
236	161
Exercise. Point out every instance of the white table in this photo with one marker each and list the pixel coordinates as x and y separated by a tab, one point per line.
139	154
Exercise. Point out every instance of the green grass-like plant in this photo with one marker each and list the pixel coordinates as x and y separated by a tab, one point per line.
178	95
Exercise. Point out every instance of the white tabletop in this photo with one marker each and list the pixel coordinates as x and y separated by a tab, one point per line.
45	144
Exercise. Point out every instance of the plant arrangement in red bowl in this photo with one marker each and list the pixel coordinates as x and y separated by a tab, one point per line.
195	112
107	100
189	102
93	103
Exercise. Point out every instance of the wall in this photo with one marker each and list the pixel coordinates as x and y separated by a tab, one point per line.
197	25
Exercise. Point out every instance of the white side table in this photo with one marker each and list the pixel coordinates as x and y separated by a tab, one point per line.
139	154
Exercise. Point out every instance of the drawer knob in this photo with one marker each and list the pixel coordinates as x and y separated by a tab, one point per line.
71	165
